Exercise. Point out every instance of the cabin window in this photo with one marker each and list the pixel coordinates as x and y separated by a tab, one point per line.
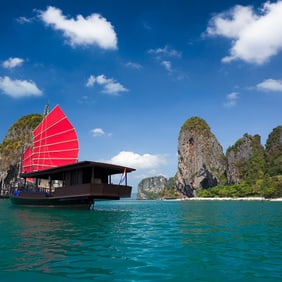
86	176
74	177
97	180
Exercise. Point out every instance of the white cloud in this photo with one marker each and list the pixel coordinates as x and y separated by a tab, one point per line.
164	56
23	20
92	30
231	100
97	132
137	161
19	88
133	65
231	23
166	51
12	63
110	86
167	65
91	80
256	37
270	85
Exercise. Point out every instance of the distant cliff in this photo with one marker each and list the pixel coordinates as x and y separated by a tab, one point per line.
151	188
201	162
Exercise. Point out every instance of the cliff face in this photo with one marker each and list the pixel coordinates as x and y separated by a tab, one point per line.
18	135
151	188
201	162
244	158
273	150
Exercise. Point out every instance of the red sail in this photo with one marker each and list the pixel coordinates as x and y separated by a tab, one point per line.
55	143
27	160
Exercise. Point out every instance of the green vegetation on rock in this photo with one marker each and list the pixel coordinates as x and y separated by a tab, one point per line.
259	169
266	187
18	136
273	151
169	191
251	161
196	124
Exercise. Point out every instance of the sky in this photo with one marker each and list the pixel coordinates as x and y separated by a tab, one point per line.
128	74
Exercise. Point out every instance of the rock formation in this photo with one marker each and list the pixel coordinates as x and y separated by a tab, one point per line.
273	151
18	136
201	162
151	188
244	157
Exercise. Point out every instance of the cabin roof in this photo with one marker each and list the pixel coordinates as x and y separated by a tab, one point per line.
108	169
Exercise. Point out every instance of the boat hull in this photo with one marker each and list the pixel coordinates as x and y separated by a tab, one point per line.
73	202
75	197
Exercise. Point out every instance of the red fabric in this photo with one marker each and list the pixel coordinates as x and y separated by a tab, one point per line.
55	143
27	160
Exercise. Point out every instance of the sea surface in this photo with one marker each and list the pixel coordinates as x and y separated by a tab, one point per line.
132	240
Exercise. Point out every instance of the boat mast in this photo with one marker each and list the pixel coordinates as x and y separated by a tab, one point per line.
21	161
46	110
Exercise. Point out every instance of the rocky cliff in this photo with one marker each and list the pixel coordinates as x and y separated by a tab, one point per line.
201	162
18	136
273	152
245	159
151	188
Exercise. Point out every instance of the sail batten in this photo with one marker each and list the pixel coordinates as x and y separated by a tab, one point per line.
54	140
39	133
54	151
62	125
57	134
55	143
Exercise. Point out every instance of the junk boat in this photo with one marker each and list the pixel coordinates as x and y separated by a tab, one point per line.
52	176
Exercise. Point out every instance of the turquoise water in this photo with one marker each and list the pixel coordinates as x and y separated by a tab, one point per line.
143	241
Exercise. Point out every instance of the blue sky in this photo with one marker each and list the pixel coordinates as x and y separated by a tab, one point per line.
128	74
